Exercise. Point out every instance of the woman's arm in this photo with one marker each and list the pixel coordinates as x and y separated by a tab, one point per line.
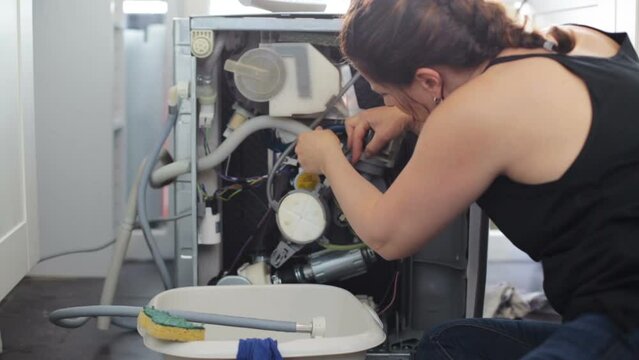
455	159
511	121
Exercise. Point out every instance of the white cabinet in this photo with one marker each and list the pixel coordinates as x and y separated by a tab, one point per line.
18	208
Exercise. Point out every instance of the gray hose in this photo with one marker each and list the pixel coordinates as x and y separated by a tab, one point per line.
329	106
77	316
209	62
142	216
170	172
121	247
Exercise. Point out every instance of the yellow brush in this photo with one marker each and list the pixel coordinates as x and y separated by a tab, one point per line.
164	326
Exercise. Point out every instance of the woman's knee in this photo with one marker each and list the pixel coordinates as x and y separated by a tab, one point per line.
438	342
482	338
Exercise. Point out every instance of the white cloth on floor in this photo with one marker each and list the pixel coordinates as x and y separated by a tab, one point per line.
503	301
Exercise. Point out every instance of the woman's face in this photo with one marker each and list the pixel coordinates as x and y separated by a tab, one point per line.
412	100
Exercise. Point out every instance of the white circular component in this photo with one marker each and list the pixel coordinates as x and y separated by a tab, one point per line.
202	47
301	217
267	77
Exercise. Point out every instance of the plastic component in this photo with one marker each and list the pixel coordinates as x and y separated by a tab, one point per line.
209	232
239	117
311	80
206	96
201	43
307	181
206	116
327	266
183	90
258	273
173	96
350	329
301	217
259	74
233	280
319	327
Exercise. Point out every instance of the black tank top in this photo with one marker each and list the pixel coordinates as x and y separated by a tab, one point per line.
584	227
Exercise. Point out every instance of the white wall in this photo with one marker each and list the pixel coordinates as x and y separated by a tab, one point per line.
74	66
608	15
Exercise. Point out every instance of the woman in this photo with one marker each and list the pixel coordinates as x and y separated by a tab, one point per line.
541	129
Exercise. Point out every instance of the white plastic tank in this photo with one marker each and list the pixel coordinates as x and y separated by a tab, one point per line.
352	327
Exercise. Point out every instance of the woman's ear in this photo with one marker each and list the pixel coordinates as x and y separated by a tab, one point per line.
428	79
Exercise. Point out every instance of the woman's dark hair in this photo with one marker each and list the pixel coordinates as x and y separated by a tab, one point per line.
390	39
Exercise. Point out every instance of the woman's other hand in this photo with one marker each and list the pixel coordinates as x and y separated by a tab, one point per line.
315	148
388	122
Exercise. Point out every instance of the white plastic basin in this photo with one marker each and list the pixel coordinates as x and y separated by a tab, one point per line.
351	327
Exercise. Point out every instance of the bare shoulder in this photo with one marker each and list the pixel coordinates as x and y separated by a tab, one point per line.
534	87
525	110
508	94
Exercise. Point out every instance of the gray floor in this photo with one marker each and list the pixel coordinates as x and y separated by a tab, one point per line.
27	334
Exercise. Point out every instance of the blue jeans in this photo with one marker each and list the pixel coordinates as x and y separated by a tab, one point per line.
591	336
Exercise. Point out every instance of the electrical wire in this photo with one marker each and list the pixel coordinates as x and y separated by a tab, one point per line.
394	295
238	185
207	148
329	106
107	244
389	288
240	253
336	247
228	164
234	179
82	251
260	201
170	218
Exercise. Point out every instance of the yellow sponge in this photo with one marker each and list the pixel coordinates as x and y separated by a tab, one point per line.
164	326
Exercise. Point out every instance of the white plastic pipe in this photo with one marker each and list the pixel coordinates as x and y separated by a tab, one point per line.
172	171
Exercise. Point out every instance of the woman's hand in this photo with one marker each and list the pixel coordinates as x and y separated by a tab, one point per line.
315	148
388	122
